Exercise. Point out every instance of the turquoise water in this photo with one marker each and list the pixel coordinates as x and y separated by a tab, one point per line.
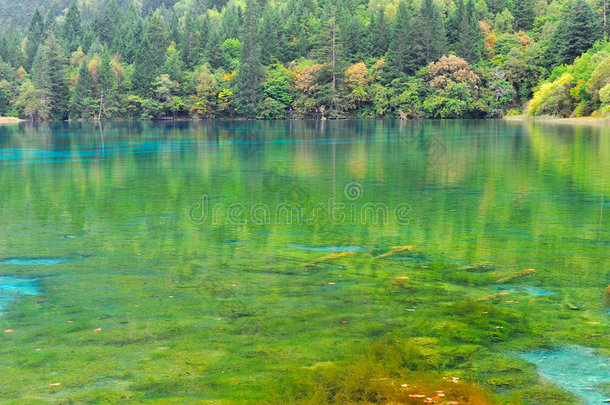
12	287
208	261
579	369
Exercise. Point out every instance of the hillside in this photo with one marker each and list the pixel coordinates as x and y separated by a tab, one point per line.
22	11
290	58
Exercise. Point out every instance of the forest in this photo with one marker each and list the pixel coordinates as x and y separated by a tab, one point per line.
308	59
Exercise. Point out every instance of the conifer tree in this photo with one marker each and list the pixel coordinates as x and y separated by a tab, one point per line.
463	32
524	12
576	32
35	34
213	52
106	88
50	77
379	35
429	33
82	95
151	51
402	53
173	65
71	31
248	82
270	33
191	40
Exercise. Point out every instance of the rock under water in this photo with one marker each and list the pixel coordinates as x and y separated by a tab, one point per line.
12	287
524	289
578	369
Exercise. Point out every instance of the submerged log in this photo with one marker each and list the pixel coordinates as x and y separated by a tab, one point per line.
477	268
326	258
516	275
394	251
493	297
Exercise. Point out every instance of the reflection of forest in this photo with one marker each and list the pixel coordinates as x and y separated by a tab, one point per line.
523	194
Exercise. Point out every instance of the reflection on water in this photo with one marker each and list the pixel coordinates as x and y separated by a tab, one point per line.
513	194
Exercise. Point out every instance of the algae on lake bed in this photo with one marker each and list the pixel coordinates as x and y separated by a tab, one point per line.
175	310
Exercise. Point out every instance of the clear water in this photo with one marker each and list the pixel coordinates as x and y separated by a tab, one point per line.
200	245
579	369
12	287
33	262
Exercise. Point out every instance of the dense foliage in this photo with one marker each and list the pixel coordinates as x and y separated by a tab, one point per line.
580	89
100	59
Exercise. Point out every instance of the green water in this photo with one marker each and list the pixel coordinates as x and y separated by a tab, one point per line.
176	241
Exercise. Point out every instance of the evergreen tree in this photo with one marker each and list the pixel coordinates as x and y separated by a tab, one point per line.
150	52
107	91
213	52
524	12
353	38
248	82
231	21
173	65
35	34
49	21
463	32
190	44
429	33
71	31
576	32
110	23
401	52
379	35
82	95
270	34
50	77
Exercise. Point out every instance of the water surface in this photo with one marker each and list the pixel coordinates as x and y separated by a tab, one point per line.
196	240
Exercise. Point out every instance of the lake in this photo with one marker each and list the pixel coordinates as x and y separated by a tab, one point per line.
302	261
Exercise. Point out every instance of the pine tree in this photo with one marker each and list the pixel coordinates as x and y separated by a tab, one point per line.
49	72
231	21
190	40
524	12
401	52
576	32
463	32
173	65
35	34
213	52
110	23
379	35
429	33
150	52
270	33
71	31
106	88
353	37
82	95
248	82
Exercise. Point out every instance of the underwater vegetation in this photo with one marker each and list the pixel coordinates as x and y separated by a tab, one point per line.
152	308
440	339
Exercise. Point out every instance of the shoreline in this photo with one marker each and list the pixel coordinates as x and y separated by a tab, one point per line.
557	120
10	120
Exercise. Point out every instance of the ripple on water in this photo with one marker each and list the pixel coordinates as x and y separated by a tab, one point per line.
12	287
578	369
